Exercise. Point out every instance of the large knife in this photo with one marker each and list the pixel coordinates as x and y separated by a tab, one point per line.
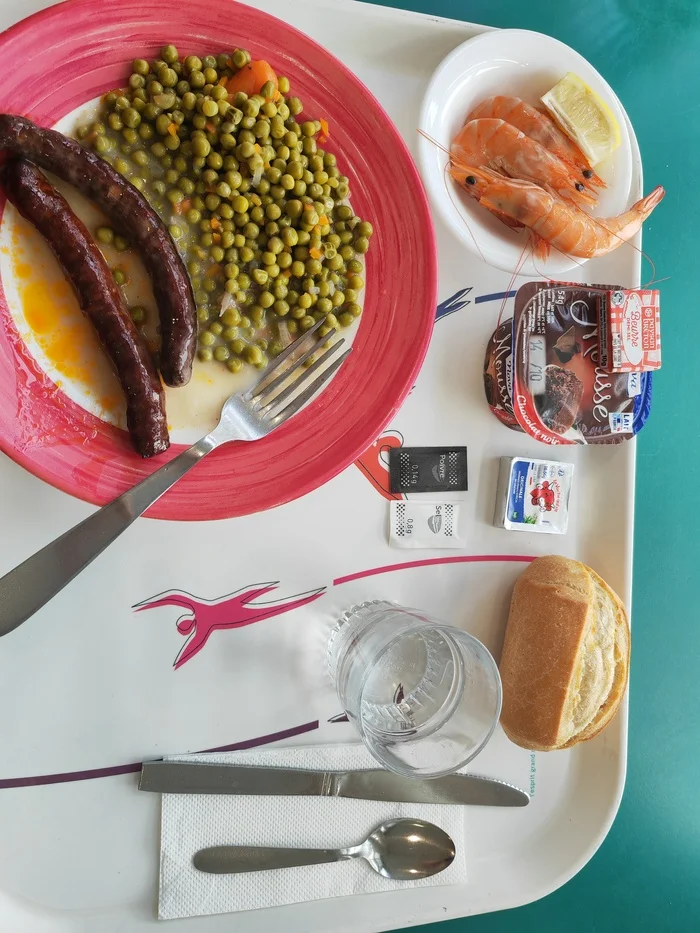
182	777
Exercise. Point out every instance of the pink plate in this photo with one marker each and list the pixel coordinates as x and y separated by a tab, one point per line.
68	54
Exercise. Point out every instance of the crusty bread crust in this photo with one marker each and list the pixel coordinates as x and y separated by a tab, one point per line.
557	607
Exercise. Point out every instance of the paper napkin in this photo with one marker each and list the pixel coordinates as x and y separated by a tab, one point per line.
193	821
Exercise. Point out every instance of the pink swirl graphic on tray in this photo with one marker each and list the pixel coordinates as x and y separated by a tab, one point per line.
204	616
374	463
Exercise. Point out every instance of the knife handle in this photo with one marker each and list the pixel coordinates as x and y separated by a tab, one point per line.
237	859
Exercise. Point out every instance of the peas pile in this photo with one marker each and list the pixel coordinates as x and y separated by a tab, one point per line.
256	206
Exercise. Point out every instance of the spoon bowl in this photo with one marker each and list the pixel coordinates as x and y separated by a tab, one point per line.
406	850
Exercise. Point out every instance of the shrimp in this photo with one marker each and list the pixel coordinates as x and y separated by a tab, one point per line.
538	126
553	221
498	145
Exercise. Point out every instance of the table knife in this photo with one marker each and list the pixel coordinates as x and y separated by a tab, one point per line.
181	777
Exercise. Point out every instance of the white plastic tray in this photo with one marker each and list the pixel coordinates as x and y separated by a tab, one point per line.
89	684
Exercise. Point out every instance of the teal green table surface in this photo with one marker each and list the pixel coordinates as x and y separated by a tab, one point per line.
646	875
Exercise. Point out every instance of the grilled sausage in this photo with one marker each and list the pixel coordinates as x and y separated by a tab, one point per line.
131	213
100	300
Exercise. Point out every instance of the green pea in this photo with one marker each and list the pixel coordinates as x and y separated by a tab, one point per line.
200	146
245	151
205	354
313	267
169	54
281	307
105	234
102	144
121	243
234	365
140	157
197	80
209	284
222	353
239	204
253	354
294	209
266	299
131	117
119	276
345	319
206	338
175	196
355	282
324	305
347	252
167	77
259	276
240	58
192	63
233	180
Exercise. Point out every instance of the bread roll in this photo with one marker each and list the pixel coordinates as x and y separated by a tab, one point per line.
565	659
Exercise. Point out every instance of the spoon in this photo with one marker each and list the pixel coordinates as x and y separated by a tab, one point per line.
403	850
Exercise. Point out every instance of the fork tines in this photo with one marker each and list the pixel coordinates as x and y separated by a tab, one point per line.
276	406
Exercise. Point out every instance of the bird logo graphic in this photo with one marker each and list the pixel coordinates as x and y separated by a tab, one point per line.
202	617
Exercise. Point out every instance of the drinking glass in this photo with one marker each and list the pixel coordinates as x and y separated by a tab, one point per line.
425	696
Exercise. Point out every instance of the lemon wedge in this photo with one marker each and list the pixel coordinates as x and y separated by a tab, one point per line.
584	117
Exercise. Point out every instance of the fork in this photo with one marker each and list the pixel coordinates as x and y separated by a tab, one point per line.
245	416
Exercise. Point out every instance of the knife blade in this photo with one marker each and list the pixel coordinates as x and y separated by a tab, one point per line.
182	777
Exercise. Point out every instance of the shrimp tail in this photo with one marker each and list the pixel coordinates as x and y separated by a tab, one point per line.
647	204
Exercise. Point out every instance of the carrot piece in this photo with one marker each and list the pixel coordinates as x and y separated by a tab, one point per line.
223	81
324	127
215	223
209	126
172	129
214	270
216	238
251	78
315	253
183	206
